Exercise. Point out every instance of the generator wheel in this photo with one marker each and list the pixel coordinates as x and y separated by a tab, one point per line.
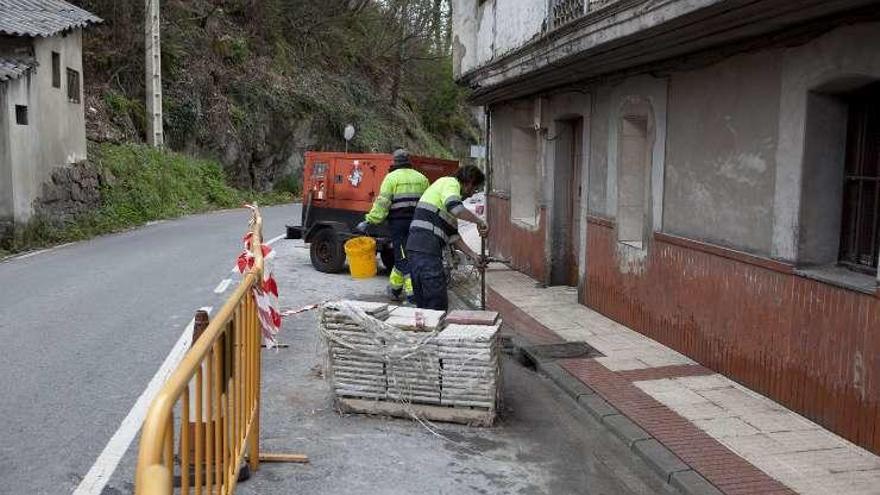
387	256
326	252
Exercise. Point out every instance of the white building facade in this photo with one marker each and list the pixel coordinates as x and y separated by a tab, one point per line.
706	172
42	121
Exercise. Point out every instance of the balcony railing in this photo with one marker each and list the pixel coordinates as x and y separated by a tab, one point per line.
564	11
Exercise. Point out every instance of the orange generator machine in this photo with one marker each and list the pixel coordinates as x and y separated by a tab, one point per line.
338	190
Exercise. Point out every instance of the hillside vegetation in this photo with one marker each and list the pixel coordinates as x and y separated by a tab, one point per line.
255	83
139	184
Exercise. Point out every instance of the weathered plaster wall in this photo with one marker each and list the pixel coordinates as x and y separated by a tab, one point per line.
566	175
62	121
598	151
486	30
518	231
55	134
518	157
500	130
614	102
720	167
6	210
823	169
529	175
23	156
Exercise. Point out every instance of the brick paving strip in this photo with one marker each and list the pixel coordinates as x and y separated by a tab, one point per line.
720	466
703	432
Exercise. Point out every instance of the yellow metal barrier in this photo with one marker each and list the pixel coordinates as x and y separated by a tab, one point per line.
215	392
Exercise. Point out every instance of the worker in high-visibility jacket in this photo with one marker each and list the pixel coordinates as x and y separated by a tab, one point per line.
398	196
435	227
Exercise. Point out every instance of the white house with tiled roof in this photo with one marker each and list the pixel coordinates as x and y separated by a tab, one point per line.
42	122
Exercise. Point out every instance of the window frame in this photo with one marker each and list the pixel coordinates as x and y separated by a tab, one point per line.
637	113
74	86
56	70
854	253
22	115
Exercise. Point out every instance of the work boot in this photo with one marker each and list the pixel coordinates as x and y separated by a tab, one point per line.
396	295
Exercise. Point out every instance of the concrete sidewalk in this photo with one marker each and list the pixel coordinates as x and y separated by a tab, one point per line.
693	425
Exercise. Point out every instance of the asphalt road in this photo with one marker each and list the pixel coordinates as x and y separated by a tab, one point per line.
84	328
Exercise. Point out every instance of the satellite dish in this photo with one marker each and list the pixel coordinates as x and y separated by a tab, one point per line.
349	132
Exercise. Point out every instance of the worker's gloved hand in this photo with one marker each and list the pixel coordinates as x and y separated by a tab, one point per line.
483	229
362	227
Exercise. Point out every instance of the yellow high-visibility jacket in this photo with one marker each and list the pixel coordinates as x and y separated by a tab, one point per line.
398	195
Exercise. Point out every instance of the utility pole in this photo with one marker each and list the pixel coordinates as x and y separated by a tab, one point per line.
155	133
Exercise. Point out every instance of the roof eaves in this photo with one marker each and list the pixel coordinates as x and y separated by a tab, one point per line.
42	18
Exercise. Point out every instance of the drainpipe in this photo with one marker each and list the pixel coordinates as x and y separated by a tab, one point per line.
486	140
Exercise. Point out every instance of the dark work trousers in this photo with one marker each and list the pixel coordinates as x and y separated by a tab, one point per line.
399	228
429	280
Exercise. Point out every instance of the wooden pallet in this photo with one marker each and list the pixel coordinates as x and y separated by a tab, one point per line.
463	415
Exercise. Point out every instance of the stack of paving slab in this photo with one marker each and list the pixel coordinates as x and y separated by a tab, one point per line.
469	352
357	368
415	377
441	367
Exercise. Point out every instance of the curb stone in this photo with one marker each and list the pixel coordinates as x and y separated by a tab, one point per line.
675	471
597	406
625	429
692	483
660	458
565	380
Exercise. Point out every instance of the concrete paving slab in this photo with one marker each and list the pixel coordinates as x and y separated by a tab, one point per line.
726	427
707	382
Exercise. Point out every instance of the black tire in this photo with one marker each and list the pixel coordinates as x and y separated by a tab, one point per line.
326	252
387	256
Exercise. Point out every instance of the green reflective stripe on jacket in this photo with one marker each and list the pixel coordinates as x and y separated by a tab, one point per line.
433	224
398	188
447	217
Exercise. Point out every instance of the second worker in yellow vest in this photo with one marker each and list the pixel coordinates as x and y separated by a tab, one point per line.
435	227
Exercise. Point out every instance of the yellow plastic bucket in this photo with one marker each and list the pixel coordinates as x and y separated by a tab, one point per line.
361	254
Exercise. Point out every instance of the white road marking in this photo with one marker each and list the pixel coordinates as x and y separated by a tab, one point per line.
101	472
276	239
41	251
33	253
222	286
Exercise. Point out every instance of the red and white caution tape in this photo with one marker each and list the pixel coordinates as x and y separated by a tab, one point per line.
265	293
